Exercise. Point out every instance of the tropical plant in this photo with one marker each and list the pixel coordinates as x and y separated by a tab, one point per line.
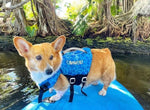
82	19
32	30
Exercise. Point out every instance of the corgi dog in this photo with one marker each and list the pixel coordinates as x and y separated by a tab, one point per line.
43	60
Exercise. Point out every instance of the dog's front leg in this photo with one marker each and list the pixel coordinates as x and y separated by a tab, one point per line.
60	87
58	95
55	97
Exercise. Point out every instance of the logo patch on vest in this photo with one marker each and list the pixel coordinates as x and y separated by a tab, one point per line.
80	62
77	62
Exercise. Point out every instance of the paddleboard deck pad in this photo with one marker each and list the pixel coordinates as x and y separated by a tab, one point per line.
117	98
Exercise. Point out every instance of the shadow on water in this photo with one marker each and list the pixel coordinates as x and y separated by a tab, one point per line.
17	89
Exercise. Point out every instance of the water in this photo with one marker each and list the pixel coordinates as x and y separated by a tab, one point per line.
17	89
134	73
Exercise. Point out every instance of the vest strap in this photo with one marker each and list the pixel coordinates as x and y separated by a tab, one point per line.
40	95
43	88
71	92
76	80
82	89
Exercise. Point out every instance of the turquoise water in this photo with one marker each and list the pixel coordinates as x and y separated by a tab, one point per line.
17	89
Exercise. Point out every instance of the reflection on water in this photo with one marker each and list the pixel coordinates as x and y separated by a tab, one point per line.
17	89
134	73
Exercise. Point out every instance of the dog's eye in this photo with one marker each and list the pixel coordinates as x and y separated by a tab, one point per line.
51	57
39	57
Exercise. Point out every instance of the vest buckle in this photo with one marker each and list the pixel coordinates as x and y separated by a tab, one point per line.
72	80
84	79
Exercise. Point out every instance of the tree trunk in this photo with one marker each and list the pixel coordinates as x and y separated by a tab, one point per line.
100	11
124	2
117	4
107	12
107	9
127	5
125	25
48	21
20	20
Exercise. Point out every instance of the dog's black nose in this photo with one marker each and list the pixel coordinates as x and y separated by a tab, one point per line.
49	71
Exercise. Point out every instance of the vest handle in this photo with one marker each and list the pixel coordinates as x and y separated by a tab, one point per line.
73	49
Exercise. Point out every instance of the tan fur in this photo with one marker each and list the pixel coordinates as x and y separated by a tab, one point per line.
44	49
102	68
62	83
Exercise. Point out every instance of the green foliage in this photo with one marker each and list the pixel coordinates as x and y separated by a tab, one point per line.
89	41
109	39
2	14
31	30
114	10
74	8
71	13
128	40
83	17
135	17
80	26
81	23
82	14
57	6
28	11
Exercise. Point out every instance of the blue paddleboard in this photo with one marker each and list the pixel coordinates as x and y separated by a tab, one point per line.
117	98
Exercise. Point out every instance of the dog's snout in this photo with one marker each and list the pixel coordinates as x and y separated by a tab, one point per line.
49	71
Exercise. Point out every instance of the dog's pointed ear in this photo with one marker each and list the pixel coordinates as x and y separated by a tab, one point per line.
59	43
22	46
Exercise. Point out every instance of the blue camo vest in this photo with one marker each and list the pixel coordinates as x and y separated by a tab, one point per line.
74	63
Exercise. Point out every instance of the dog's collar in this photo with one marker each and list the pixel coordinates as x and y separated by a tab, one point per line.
50	82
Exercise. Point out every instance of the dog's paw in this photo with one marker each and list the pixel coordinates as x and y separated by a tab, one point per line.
102	92
52	99
55	97
48	100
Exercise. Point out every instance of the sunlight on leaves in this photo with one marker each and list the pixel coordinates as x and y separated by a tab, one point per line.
28	11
